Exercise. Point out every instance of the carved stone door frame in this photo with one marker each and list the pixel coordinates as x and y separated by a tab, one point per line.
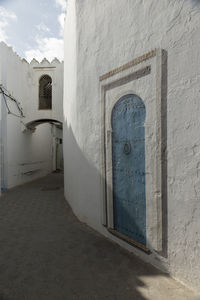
143	76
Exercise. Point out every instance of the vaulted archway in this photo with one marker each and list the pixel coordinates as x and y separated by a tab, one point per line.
33	124
57	139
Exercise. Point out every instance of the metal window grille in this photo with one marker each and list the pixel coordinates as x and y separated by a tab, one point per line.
45	92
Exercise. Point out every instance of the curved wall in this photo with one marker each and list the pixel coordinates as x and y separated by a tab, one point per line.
99	37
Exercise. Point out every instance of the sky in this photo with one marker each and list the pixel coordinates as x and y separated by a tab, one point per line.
34	28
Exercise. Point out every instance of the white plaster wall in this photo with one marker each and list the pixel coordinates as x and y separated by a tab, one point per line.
72	158
29	156
57	147
26	155
35	72
100	36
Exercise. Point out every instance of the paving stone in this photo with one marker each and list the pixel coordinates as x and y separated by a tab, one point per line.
46	253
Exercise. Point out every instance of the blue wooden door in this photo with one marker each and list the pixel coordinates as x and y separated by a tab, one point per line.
128	159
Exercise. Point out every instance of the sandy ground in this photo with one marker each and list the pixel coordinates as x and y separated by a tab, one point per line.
46	253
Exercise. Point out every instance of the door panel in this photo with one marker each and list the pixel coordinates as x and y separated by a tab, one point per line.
128	160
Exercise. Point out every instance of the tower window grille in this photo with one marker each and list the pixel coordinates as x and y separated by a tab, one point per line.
45	92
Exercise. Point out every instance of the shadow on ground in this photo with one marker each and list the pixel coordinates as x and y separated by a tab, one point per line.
47	254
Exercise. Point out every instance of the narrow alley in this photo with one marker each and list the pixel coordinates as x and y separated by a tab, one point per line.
46	253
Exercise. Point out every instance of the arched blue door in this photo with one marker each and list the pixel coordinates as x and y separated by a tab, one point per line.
128	159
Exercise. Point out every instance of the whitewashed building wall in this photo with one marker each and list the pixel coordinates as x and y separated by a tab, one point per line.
27	155
101	36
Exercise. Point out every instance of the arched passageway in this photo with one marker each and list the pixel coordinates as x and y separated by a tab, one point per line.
57	139
33	124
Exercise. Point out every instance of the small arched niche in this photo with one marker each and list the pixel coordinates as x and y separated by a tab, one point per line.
45	92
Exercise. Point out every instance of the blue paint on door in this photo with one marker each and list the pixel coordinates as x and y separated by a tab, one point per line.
128	158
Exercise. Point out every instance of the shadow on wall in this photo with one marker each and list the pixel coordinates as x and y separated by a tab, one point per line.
197	2
164	165
131	272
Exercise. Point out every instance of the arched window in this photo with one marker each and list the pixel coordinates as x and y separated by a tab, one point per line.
45	92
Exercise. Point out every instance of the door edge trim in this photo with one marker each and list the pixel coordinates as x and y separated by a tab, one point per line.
129	240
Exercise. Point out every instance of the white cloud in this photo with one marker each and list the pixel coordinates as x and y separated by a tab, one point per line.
49	47
62	3
61	20
61	17
7	14
46	47
5	17
42	27
3	35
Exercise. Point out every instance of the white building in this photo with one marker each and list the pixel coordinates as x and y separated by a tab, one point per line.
31	133
136	58
131	125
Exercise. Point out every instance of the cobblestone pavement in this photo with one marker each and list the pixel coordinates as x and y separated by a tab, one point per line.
46	253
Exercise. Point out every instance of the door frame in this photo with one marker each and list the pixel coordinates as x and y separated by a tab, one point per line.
150	64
